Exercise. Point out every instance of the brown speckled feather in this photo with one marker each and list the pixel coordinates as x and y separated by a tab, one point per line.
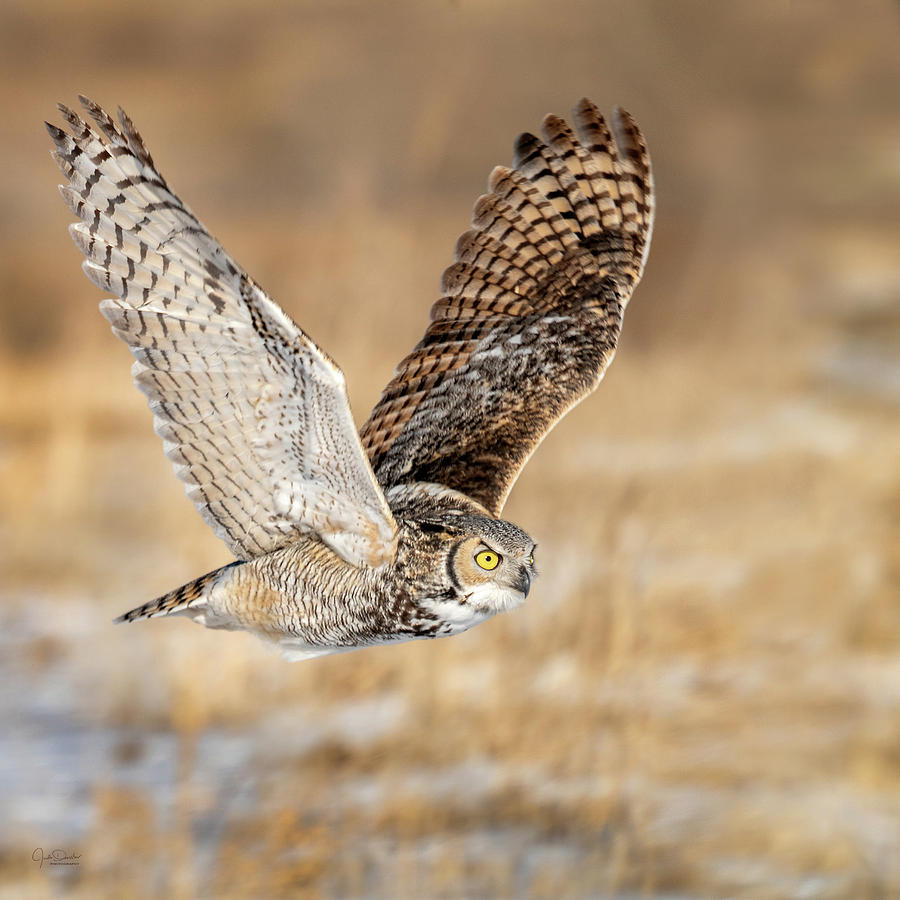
531	312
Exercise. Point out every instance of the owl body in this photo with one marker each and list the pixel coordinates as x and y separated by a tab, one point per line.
347	538
310	601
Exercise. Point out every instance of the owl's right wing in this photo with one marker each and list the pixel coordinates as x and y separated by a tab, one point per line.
252	413
531	312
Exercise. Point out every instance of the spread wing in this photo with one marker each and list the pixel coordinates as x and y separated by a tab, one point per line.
531	312
252	413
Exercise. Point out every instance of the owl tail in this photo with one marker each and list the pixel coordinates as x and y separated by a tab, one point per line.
189	595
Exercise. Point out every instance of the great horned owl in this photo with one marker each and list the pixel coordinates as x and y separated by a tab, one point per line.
343	539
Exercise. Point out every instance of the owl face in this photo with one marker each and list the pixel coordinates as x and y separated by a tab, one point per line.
492	574
486	567
492	568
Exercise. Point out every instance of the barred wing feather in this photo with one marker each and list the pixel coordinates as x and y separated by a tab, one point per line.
252	413
531	312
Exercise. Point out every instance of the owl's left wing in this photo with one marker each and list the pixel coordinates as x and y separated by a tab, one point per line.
252	413
531	314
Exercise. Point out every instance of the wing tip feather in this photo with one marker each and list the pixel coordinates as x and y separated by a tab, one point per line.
524	146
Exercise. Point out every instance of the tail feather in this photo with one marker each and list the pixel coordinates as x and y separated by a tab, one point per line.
182	598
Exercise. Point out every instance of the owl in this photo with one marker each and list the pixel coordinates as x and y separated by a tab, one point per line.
345	538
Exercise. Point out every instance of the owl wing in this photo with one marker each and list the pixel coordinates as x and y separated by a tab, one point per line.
252	413
531	312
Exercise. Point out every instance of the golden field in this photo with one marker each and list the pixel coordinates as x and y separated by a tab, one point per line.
701	697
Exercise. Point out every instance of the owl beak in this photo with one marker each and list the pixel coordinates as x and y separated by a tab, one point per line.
524	582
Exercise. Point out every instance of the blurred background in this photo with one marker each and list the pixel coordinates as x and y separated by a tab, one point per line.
702	695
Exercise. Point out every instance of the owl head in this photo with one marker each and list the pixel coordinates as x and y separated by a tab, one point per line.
488	568
494	566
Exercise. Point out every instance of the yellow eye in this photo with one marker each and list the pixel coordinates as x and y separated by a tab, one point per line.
530	560
487	559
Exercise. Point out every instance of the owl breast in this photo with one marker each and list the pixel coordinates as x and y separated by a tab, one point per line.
311	601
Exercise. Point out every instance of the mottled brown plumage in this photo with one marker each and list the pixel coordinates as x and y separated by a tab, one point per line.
345	540
531	312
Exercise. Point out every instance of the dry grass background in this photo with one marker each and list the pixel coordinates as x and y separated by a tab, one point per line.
702	696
